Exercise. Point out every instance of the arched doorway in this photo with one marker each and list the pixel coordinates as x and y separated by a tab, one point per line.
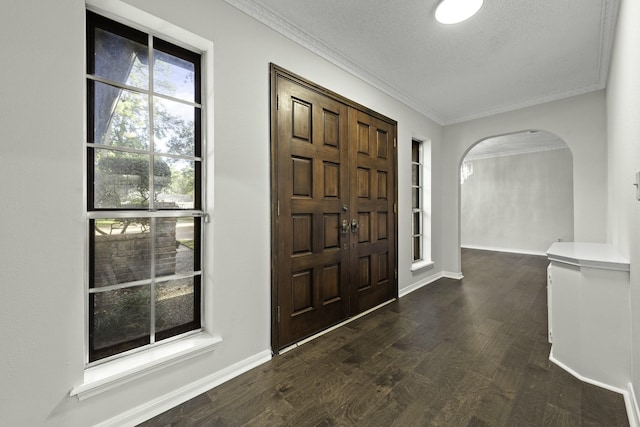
516	193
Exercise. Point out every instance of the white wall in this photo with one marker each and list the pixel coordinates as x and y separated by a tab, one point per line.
42	237
623	120
579	121
41	226
518	203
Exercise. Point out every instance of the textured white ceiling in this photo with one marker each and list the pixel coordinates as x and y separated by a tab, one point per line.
512	54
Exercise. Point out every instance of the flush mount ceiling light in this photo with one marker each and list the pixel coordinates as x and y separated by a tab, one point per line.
454	11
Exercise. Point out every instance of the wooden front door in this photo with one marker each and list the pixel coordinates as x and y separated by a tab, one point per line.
333	192
372	189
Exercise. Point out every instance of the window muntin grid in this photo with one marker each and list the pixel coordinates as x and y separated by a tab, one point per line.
417	196
144	189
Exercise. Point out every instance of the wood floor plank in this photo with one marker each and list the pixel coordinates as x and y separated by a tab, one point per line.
421	338
497	401
557	417
419	411
602	406
489	359
359	400
395	405
508	380
481	336
461	405
321	387
566	391
472	352
494	409
530	403
540	353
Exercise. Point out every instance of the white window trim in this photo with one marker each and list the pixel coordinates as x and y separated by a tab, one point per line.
112	374
420	186
425	183
106	376
419	265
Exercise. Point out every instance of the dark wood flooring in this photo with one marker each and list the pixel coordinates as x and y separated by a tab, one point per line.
455	353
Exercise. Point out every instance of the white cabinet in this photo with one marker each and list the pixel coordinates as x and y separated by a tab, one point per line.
589	312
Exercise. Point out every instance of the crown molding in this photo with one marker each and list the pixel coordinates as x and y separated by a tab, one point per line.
609	16
607	37
527	150
275	22
531	103
299	36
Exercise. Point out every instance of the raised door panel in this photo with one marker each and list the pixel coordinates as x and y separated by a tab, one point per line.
372	156
334	229
312	162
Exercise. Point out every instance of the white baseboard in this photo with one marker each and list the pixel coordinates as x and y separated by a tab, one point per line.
427	281
161	404
450	275
510	250
585	379
415	286
628	394
631	402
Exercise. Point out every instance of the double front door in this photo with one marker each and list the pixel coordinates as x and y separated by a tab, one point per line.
334	225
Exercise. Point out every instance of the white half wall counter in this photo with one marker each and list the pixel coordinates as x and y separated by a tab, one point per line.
589	312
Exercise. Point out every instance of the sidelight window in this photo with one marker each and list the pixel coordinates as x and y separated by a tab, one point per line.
144	189
417	202
420	204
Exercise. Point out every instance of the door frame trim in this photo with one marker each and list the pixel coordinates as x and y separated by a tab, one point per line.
276	72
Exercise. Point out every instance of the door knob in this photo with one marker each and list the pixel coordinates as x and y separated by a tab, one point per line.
345	226
354	225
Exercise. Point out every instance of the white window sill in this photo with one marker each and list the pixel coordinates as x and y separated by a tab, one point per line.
420	265
101	378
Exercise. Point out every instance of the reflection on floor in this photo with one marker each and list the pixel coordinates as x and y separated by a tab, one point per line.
454	353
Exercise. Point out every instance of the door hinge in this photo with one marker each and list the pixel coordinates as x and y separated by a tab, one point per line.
278	209
278	314
395	142
395	208
395	273
277	102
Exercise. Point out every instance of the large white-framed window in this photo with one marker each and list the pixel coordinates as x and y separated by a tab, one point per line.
144	189
136	208
420	204
154	201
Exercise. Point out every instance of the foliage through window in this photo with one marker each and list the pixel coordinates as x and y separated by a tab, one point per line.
144	187
417	200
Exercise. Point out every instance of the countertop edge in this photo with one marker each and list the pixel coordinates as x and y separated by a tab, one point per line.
591	255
